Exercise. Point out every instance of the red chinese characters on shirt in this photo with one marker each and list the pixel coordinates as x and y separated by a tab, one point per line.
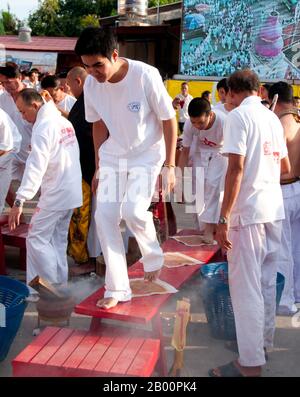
67	136
206	142
268	151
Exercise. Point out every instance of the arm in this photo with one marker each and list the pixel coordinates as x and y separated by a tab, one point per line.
100	135
285	166
233	180
170	135
36	166
183	158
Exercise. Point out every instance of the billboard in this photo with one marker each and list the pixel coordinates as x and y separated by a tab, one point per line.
220	36
26	60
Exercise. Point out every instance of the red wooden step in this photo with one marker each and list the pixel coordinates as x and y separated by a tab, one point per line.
65	352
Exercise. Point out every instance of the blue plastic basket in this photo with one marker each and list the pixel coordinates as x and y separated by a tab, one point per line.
12	296
217	301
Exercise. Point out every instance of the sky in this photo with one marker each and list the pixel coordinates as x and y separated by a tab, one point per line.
21	8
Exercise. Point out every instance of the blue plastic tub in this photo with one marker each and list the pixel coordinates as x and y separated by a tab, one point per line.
217	301
12	296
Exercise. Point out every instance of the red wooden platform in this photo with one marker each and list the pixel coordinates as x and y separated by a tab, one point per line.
65	352
143	310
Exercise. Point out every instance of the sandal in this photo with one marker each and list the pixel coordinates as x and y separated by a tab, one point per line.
226	371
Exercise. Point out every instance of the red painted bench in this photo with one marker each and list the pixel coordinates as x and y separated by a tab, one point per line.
63	352
3	222
16	238
143	310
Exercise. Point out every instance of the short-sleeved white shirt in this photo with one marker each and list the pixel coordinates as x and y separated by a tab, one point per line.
210	140
253	131
132	109
67	103
25	129
221	107
183	111
10	139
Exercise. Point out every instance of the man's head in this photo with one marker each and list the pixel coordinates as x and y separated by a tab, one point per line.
284	91
29	102
97	48
206	95
52	85
11	78
223	89
242	83
184	88
200	113
264	91
75	80
296	101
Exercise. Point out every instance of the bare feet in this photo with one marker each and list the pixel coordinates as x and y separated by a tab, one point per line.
152	276
207	239
107	303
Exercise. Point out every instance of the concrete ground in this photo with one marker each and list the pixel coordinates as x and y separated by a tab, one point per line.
202	351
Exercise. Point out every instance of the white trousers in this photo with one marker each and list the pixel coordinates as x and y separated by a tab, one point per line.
93	243
289	254
252	282
132	189
215	166
46	245
5	177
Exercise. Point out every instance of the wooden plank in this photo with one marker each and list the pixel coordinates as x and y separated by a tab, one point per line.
96	353
127	356
36	345
111	355
64	352
81	351
52	346
145	360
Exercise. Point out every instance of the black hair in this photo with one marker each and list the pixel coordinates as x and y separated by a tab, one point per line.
30	95
198	107
10	70
284	91
96	41
267	86
243	80
50	82
223	84
205	94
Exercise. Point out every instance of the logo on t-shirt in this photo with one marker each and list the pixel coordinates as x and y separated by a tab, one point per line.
134	107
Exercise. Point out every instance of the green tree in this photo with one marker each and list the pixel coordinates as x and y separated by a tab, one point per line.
45	20
9	21
2	30
89	20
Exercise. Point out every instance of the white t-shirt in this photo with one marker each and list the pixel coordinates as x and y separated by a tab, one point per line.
53	163
25	129
253	131
221	107
132	109
67	103
10	139
210	140
183	109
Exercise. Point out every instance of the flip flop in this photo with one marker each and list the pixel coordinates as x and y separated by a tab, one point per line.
226	371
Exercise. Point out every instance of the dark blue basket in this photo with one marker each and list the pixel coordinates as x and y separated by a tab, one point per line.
12	296
217	301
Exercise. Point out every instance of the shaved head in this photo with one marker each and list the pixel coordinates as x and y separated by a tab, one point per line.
75	79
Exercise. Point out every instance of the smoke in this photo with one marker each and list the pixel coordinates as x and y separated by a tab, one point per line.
81	288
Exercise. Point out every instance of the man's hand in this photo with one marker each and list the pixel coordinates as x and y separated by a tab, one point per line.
222	237
95	182
14	217
169	180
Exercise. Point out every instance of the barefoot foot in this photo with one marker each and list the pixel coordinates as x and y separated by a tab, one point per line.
107	303
152	276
